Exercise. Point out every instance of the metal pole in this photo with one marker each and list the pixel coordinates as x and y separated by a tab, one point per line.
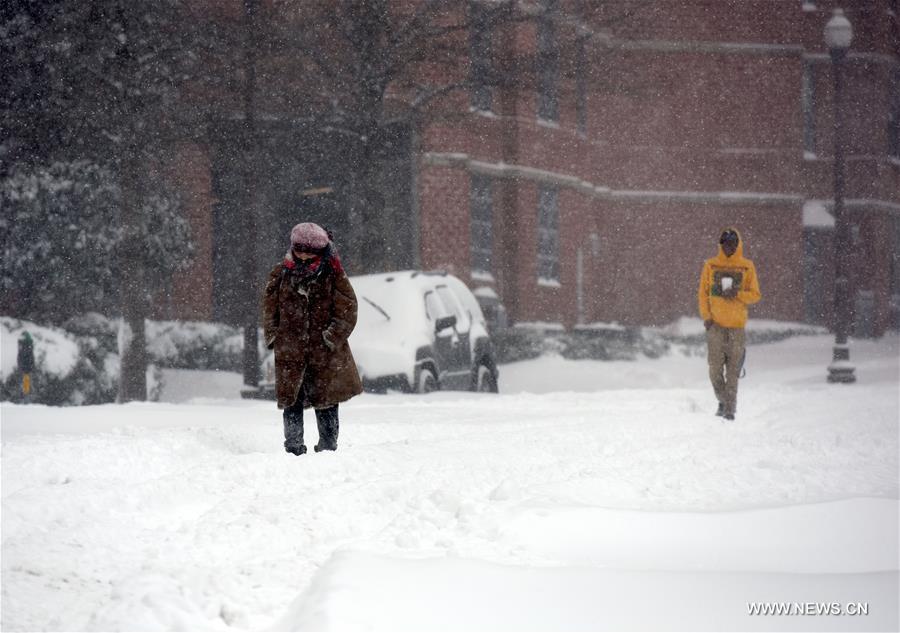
841	369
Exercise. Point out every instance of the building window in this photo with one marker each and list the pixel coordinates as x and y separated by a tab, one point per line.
581	85
808	96
482	212
548	235
893	124
481	54
548	63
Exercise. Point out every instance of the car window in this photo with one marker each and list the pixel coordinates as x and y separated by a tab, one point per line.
467	299
434	308
450	300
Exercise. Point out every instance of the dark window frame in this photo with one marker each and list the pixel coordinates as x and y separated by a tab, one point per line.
548	63
548	234
581	94
481	204
481	58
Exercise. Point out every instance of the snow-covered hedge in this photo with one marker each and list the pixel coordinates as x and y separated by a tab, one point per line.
173	344
195	345
690	331
595	342
69	369
612	341
79	362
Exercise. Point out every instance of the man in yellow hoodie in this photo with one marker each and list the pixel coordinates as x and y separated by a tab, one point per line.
728	285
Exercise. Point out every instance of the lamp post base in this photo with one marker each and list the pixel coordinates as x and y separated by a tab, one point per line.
841	374
841	369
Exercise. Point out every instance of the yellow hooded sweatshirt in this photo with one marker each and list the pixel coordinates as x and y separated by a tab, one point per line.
729	313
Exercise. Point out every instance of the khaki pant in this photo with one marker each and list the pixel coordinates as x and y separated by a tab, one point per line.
725	348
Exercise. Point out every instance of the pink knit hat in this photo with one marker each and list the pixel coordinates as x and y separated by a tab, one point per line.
309	237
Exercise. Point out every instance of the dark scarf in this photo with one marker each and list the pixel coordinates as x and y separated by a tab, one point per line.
309	267
303	272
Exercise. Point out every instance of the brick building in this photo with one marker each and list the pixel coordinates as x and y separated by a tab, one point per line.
593	191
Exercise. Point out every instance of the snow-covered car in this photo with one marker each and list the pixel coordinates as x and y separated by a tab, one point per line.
416	332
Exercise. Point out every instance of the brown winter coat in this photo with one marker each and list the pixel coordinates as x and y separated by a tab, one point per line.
296	313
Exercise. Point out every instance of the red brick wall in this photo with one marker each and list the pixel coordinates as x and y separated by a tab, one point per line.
191	292
445	230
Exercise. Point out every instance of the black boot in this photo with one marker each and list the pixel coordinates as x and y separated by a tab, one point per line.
327	421
721	410
293	429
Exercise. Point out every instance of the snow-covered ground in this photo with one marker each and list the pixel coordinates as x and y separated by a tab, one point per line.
587	495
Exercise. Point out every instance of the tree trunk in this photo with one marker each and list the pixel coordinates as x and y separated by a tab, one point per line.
132	294
251	291
133	354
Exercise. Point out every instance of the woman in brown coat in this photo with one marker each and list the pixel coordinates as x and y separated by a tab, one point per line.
309	310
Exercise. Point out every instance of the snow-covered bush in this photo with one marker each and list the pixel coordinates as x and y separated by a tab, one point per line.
71	367
689	331
79	362
611	341
595	342
170	344
195	345
68	369
96	326
527	341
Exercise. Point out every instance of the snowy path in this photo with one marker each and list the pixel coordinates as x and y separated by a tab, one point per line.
521	511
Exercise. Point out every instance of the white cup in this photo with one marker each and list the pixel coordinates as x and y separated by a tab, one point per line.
727	282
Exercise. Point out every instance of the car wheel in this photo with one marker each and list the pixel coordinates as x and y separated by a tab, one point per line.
427	381
484	381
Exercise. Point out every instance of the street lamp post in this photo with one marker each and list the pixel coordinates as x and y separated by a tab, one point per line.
838	35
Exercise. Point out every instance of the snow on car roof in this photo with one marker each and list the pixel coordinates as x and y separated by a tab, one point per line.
397	293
